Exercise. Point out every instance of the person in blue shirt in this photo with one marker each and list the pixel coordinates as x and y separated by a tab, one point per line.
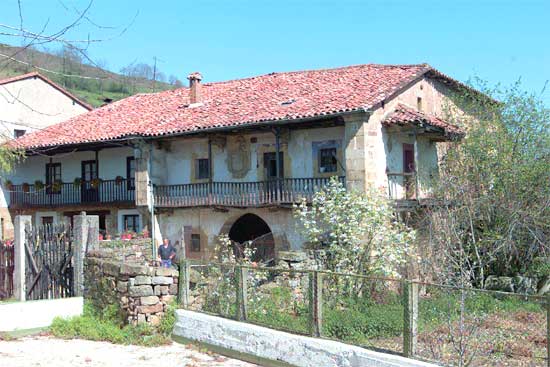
166	253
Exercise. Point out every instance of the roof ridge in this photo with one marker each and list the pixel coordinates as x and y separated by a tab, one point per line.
19	77
36	74
426	65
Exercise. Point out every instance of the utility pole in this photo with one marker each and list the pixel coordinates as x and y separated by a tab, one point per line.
154	73
155	59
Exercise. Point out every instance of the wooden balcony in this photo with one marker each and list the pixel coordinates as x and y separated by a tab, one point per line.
285	191
70	194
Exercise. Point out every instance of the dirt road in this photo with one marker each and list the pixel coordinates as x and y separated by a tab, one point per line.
51	352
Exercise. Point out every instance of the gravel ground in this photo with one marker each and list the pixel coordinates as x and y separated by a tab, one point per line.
47	351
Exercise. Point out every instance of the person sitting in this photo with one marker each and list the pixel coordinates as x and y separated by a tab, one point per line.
166	253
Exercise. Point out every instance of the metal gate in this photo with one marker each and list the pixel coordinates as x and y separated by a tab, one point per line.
7	265
48	269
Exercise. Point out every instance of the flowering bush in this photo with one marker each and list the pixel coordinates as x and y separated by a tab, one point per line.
359	232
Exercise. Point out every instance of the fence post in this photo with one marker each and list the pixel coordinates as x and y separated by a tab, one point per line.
22	222
410	317
548	329
183	285
241	286
85	236
316	302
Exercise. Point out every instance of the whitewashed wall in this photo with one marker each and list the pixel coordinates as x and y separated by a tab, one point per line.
112	163
31	104
174	166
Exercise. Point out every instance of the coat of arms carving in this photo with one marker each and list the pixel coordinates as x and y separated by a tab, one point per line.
238	158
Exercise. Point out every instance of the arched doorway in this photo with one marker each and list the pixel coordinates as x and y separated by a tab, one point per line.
250	227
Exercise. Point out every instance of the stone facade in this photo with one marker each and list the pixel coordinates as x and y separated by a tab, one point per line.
142	291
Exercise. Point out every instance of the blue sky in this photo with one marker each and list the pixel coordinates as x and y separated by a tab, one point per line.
499	41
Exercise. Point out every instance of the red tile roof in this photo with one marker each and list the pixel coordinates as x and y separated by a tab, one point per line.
35	74
267	98
404	115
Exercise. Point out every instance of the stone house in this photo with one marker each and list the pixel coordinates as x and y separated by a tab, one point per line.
232	157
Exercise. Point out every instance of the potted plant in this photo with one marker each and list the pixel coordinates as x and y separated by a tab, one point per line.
95	183
38	185
26	187
118	180
77	182
57	185
9	185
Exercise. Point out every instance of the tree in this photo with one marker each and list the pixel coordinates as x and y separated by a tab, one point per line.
174	81
359	232
495	186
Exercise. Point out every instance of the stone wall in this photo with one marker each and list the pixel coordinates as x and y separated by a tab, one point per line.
135	250
142	291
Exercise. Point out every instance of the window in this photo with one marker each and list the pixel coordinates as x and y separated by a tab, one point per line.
89	170
419	106
53	178
270	164
202	168
47	221
195	242
18	133
131	172
327	160
131	223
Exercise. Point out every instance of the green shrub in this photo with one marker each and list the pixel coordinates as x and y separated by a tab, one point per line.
358	322
279	310
540	268
168	320
105	325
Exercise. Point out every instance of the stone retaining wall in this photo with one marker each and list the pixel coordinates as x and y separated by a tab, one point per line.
141	290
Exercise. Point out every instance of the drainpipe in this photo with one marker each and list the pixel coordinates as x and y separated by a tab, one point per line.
417	189
277	163
210	167
150	192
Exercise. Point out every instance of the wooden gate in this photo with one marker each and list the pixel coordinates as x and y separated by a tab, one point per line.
6	269
48	269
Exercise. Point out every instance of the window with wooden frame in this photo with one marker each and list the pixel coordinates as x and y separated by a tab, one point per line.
131	223
195	242
202	169
327	160
130	173
53	178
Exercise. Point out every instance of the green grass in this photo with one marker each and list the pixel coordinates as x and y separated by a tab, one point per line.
363	320
106	325
278	310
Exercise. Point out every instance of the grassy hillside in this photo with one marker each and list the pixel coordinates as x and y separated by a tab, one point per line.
68	68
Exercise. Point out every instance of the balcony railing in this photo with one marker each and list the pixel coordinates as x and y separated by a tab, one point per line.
239	194
64	194
402	186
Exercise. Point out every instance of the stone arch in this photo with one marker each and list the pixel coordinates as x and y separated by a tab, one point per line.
251	227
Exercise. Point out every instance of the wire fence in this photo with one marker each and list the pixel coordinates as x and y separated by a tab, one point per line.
426	321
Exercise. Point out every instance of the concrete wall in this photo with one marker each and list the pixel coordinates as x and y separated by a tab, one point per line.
276	348
33	104
37	314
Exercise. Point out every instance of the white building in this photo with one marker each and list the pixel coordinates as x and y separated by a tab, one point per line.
204	158
32	102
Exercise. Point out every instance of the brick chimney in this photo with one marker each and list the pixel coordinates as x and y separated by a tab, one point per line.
195	88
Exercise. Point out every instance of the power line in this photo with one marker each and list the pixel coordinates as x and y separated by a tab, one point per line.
55	72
